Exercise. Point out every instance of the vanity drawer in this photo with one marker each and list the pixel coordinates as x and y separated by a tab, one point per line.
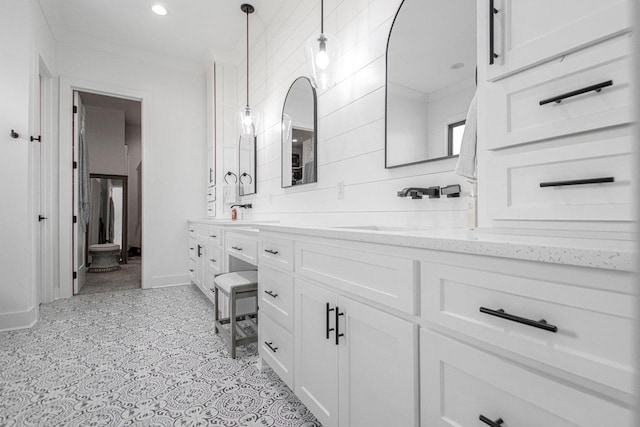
377	276
594	326
242	247
277	252
275	291
276	347
463	383
192	231
214	260
192	270
517	178
514	114
193	249
211	235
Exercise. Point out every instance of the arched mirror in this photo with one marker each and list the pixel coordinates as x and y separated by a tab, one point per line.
431	63
299	136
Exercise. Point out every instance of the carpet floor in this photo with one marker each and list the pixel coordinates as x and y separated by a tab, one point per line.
128	277
138	357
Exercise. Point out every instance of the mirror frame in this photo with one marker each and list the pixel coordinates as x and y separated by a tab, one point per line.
315	132
386	103
125	212
255	167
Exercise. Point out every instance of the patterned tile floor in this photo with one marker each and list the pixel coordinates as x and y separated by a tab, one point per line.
138	357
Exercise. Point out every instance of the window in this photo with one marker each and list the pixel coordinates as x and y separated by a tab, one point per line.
456	130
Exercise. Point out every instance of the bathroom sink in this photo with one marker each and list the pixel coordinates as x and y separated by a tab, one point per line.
373	228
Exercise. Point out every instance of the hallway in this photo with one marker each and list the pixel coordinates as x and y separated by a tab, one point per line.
136	358
128	277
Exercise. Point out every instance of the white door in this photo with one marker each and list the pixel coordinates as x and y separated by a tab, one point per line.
528	32
316	353
378	361
79	234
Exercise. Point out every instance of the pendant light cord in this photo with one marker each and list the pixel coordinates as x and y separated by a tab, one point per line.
321	16
247	58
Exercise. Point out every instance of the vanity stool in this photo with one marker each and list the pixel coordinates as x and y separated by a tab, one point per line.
237	285
104	257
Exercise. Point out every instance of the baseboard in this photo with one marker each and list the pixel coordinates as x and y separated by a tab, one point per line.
169	286
18	320
165	281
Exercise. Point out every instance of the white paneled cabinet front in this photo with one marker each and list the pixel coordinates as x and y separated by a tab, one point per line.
355	365
527	33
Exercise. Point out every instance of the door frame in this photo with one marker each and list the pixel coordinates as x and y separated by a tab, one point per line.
67	86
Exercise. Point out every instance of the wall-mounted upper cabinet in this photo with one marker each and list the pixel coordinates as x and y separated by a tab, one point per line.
522	34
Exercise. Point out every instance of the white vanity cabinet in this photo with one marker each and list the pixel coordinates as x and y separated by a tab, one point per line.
527	33
355	364
555	111
206	255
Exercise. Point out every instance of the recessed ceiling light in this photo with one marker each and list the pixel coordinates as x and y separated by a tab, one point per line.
158	9
457	65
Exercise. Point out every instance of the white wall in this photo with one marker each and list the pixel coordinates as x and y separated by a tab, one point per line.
351	125
174	139
104	133
134	159
24	42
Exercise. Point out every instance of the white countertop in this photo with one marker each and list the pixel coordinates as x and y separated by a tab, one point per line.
606	254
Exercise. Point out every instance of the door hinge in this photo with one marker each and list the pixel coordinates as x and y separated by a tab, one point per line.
75	165
75	274
75	109
75	219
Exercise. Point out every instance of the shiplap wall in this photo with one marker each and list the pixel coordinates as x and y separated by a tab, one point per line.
351	125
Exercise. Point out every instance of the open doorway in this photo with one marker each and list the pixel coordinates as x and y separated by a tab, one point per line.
107	232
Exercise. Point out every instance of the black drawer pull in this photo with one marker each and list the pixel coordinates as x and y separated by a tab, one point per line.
213	236
269	251
271	294
270	345
578	182
327	317
236	248
212	260
593	88
191	270
338	334
492	51
191	231
496	423
541	324
191	249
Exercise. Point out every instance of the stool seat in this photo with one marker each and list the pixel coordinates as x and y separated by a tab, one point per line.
236	285
226	282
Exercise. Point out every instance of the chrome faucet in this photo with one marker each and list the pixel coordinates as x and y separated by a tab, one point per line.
417	193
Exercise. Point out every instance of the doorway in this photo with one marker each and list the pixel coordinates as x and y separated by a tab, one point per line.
107	202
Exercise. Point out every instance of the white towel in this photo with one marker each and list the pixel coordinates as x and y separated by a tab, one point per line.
230	192
466	165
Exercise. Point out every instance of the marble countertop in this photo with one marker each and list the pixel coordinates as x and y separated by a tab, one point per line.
606	254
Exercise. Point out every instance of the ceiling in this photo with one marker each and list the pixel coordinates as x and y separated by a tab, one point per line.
132	109
190	30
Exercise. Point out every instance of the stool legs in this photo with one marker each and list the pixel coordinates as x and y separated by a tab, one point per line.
216	315
232	322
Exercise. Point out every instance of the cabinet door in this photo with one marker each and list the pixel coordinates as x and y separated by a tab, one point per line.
201	265
527	33
316	356
378	368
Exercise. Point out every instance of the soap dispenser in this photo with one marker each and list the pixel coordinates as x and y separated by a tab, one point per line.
234	214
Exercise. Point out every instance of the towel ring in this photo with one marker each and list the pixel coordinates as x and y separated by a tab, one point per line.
234	176
243	175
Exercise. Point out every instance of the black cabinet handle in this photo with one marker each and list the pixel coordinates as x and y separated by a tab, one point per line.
593	88
578	182
41	218
210	174
236	248
271	294
496	423
212	260
191	231
338	334
270	345
199	251
327	317
213	236
492	51
191	270
269	251
540	324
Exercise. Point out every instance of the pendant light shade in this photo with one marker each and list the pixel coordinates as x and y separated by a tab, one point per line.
249	117
323	53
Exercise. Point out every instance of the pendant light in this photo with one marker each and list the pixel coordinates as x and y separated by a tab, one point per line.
249	117
323	57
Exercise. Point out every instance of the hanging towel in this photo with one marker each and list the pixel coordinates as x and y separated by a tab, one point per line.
230	192
84	178
466	165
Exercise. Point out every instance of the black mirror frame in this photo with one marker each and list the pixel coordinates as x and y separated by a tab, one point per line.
315	132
